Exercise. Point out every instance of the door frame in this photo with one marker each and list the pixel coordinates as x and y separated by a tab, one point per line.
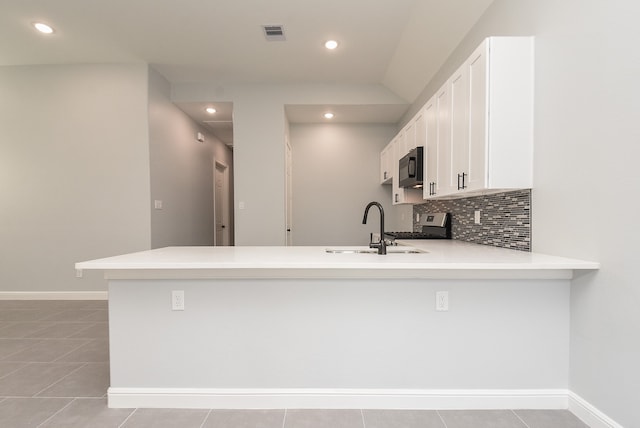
288	197
226	233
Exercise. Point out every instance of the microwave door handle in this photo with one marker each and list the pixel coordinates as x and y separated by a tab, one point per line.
412	167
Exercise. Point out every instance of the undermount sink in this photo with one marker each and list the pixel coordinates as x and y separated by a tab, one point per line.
390	250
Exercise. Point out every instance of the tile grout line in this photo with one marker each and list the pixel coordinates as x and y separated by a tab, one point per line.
442	419
521	420
78	332
50	417
59	380
127	418
284	418
95	311
79	397
205	418
25	322
14	370
75	319
86	342
364	424
34	332
6	357
58	312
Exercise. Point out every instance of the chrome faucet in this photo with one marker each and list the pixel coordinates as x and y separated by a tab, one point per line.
381	246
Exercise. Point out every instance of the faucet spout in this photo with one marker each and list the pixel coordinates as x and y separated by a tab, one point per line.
381	246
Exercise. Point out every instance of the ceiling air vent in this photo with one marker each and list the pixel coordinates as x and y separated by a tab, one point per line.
274	32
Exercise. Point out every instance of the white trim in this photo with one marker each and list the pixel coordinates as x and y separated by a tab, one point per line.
53	295
199	272
589	414
238	398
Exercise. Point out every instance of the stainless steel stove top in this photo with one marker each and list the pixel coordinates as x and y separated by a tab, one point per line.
414	235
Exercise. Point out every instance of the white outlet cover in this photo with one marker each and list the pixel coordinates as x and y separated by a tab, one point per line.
442	301
177	300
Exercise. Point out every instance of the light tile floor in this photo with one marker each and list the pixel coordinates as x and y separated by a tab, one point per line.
54	372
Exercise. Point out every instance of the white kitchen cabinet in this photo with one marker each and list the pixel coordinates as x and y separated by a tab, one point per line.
477	129
398	150
444	182
405	141
386	170
485	121
459	128
397	194
420	128
430	188
501	114
409	132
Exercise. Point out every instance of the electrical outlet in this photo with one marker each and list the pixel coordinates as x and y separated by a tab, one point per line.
476	217
177	300
442	301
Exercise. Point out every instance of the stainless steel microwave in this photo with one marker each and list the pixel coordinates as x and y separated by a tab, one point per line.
411	167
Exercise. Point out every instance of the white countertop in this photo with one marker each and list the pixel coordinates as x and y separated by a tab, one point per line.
442	259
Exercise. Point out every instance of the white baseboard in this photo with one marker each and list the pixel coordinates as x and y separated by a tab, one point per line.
205	398
589	414
53	295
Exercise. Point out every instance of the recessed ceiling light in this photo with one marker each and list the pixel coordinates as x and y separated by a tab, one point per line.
328	115
210	110
43	28
331	44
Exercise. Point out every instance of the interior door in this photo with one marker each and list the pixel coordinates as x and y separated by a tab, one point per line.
221	206
288	195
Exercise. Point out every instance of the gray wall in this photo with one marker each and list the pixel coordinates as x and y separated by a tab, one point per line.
259	140
181	172
357	335
76	144
74	172
586	162
335	174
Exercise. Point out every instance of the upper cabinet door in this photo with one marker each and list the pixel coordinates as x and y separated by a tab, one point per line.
409	137
430	188
460	126
420	125
385	165
509	116
478	118
446	183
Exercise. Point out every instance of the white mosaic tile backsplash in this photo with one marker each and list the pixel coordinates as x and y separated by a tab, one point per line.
505	218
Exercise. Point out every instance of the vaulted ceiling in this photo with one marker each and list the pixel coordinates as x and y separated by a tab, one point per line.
397	43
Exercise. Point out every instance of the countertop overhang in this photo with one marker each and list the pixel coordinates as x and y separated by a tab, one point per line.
441	260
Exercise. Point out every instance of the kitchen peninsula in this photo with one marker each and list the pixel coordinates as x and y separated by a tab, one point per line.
301	327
